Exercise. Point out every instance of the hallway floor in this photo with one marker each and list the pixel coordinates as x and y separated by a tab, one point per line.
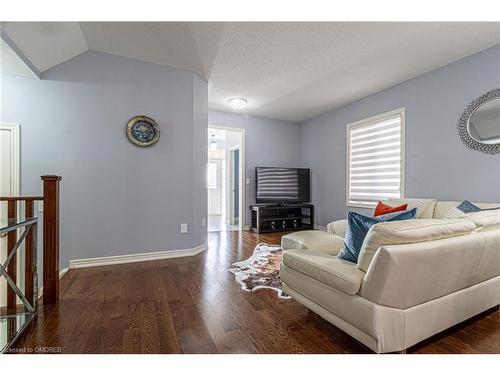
217	223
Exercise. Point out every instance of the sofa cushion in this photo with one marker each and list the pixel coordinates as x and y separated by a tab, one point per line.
330	270
407	275
358	226
485	220
425	207
325	242
453	213
469	207
337	227
410	231
442	207
489	265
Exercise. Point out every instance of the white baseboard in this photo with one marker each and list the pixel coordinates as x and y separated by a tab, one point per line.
134	258
247	227
61	274
320	227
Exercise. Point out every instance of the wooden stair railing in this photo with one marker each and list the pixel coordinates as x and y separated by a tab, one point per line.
50	242
51	238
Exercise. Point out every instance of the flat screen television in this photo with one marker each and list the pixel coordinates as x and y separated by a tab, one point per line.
282	185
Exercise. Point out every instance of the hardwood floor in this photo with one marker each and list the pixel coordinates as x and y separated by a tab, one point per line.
193	305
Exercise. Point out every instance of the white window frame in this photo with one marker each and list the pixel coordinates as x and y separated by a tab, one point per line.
366	122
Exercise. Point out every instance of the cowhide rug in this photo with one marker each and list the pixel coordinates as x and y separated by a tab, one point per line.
261	270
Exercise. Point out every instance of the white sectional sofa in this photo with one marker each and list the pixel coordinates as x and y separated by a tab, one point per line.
413	279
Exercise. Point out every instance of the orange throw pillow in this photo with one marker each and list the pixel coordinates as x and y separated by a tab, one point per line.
383	209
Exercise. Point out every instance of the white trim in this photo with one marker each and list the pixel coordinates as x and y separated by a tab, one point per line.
61	274
243	182
13	131
240	182
15	177
247	227
134	258
367	121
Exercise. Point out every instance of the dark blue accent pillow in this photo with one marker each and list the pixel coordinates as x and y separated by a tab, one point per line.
358	226
467	207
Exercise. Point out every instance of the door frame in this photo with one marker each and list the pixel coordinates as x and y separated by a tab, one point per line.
241	225
231	150
15	174
15	177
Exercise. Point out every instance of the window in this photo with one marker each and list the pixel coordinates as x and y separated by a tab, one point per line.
212	176
375	159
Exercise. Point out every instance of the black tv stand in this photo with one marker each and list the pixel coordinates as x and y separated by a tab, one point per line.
267	218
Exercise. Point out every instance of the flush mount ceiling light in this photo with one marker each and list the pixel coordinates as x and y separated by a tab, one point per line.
213	144
237	103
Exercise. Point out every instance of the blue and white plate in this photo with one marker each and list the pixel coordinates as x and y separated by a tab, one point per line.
143	131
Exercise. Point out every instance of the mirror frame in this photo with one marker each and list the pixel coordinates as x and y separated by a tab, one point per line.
463	123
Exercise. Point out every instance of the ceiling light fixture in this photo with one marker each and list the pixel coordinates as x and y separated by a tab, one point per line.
238	103
213	144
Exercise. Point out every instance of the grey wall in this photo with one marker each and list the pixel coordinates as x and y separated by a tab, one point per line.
200	156
116	198
437	164
268	143
120	199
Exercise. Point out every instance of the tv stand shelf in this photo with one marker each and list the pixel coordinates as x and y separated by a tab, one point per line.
268	218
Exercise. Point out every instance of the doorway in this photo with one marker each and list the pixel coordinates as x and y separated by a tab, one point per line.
225	176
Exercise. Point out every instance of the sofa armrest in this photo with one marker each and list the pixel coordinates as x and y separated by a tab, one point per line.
337	227
313	240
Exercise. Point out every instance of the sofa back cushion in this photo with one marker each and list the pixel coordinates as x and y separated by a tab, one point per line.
410	231
442	207
402	276
425	207
489	265
485	220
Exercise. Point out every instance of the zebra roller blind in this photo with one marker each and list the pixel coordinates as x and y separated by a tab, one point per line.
375	159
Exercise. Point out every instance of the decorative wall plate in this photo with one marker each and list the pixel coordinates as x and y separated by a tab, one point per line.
143	131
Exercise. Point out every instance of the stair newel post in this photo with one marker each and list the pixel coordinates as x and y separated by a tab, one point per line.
51	239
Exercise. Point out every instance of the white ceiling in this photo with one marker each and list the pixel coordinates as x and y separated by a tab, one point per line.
291	71
47	44
11	63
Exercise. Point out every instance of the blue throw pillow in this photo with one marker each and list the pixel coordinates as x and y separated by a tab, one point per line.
467	207
358	226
